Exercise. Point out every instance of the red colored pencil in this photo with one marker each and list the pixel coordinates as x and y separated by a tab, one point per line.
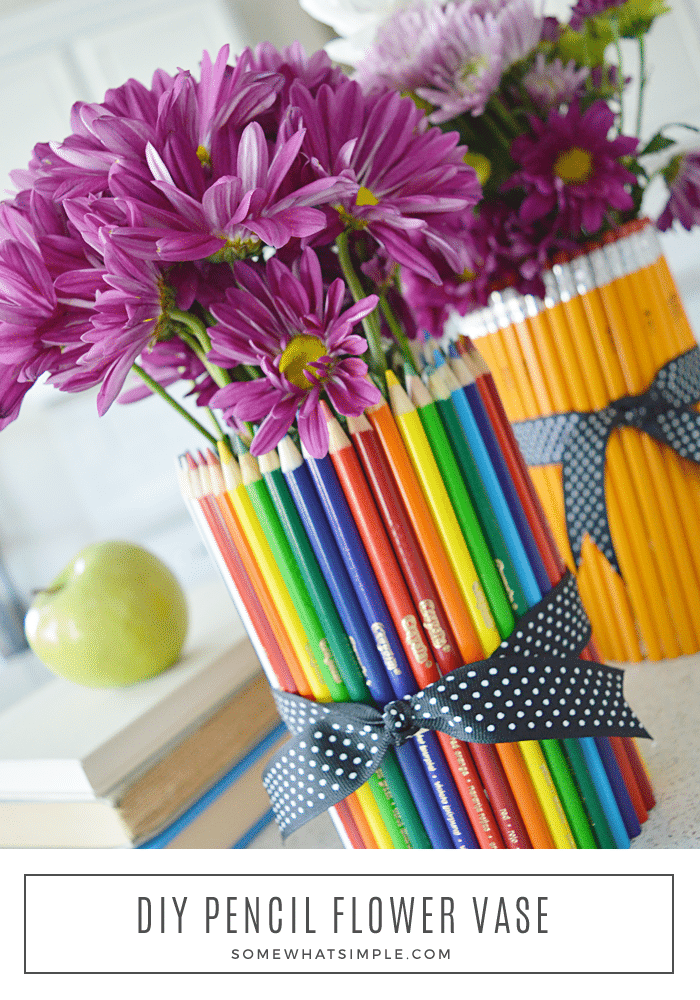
437	628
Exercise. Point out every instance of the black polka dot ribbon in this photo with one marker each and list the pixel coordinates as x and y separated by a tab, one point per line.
533	687
578	442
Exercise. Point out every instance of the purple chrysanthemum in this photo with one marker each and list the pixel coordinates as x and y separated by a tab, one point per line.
569	164
550	84
463	65
407	182
520	28
302	341
130	314
682	176
584	9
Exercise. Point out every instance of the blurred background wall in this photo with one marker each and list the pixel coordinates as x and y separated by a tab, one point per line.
68	478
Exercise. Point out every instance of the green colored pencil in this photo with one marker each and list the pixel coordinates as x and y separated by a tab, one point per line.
470	472
569	794
270	523
388	783
463	506
591	801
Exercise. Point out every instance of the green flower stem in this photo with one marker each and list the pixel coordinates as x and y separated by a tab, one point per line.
620	72
397	330
195	325
370	324
220	375
217	426
158	389
495	132
505	117
642	85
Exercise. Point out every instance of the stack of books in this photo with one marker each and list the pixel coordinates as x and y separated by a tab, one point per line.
175	761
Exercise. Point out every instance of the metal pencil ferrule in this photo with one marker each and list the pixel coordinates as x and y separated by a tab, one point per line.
499	311
582	274
565	281
552	296
614	260
599	267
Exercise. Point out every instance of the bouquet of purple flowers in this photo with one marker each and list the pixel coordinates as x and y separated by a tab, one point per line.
230	232
539	104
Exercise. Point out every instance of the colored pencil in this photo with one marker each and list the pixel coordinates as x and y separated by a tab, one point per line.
404	615
520	775
346	660
301	486
406	480
462	504
555	567
485	757
314	685
442	832
284	557
498	462
487	519
427	602
426	469
456	378
214	539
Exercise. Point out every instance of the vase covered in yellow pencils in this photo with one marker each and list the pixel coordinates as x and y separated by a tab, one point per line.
600	379
360	491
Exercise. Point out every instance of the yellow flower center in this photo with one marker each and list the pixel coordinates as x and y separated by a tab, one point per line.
203	156
299	353
481	165
574	165
365	197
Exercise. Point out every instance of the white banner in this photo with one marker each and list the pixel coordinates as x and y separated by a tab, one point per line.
456	923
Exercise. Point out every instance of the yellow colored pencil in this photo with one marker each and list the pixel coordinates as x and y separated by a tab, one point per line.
444	516
245	512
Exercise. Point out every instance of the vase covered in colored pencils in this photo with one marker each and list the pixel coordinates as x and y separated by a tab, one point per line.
250	235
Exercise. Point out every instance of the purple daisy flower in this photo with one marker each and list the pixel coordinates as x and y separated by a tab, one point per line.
569	164
550	84
521	30
130	313
406	181
302	340
584	9
682	176
238	213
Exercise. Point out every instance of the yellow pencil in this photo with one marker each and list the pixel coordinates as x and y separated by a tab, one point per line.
243	507
537	401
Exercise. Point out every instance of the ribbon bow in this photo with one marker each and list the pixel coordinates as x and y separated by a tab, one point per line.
532	687
578	441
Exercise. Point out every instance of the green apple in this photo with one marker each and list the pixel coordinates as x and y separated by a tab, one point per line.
115	615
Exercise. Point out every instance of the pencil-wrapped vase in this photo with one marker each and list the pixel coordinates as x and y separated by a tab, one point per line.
611	342
389	567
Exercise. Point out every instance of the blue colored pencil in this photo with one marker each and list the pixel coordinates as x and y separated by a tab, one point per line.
301	486
604	791
521	561
376	614
619	789
502	472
